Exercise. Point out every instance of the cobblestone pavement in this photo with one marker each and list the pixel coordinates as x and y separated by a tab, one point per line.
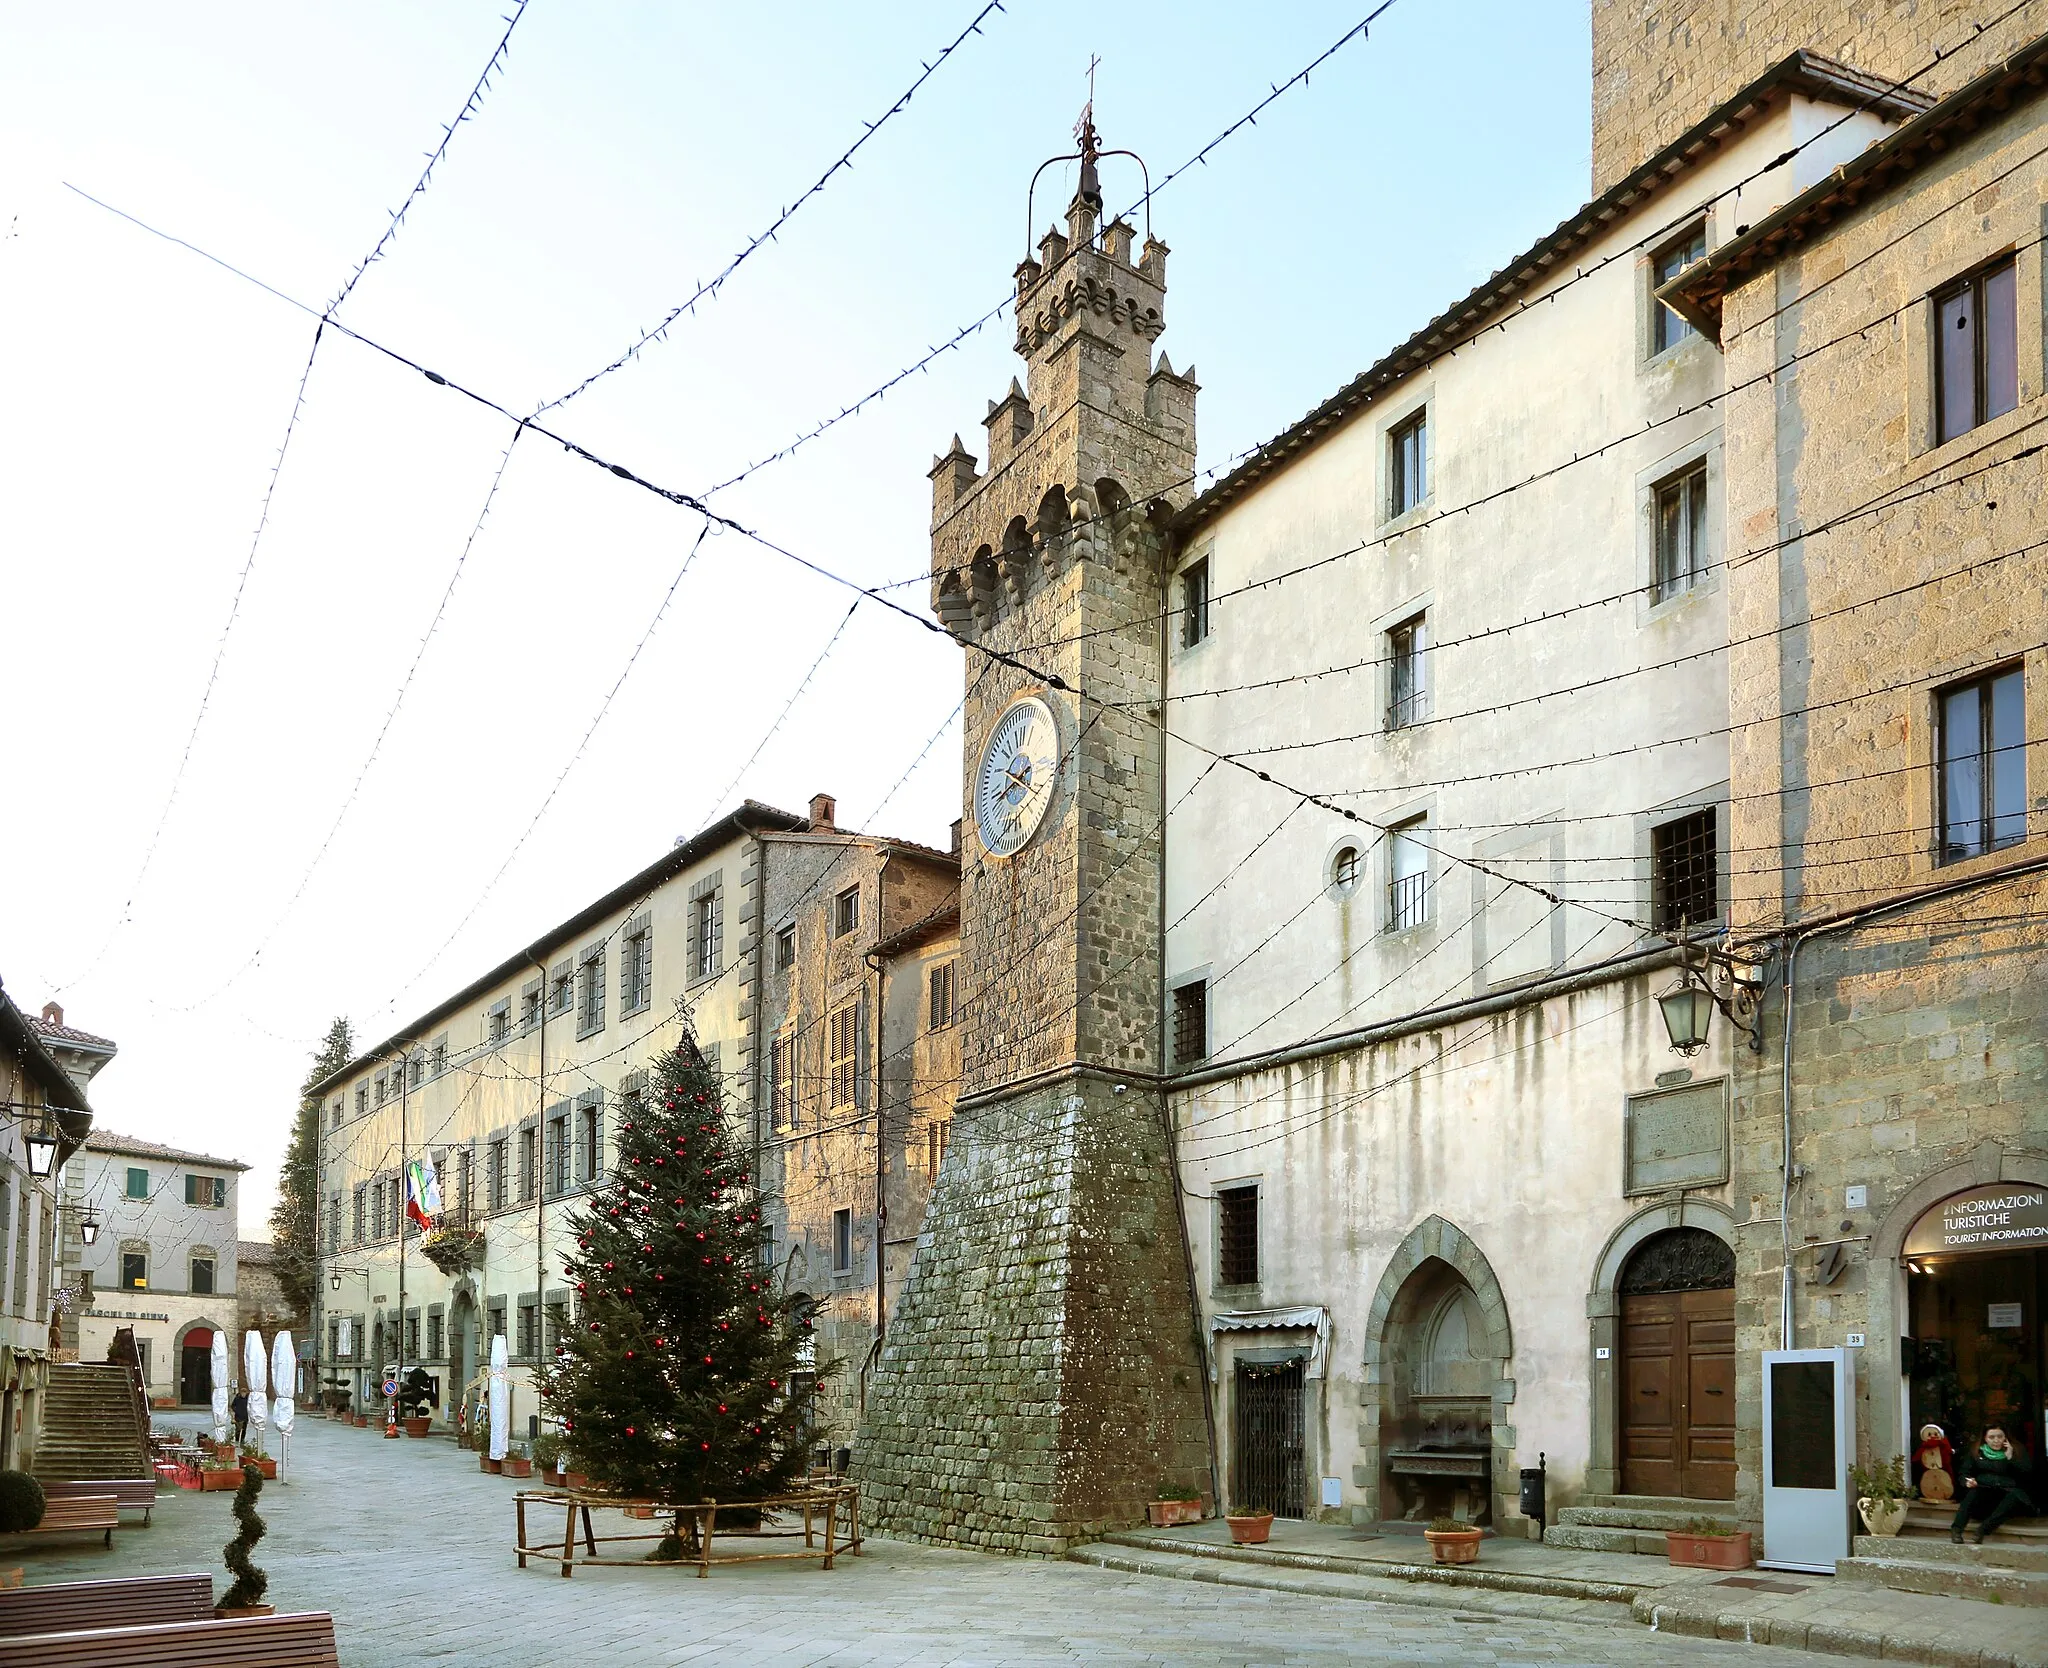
410	1547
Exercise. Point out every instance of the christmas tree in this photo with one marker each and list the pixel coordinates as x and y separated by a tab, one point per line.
679	1384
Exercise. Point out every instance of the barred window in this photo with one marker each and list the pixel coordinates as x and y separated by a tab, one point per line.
1191	1022
1407	876
843	1043
561	988
359	1223
1685	873
1237	1236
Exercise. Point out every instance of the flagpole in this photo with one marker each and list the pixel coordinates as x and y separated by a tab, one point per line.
404	1217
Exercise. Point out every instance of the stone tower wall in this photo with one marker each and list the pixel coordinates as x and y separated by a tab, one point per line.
1660	65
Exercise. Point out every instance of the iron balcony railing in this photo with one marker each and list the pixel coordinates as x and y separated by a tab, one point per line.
1407	902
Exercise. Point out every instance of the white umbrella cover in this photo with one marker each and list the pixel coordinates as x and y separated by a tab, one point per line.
284	1374
501	1400
220	1376
253	1369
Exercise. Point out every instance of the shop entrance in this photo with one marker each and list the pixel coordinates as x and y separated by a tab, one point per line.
1976	1277
195	1367
1270	1475
1677	1421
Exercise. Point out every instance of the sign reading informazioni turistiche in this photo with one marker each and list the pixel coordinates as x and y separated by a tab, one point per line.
1984	1219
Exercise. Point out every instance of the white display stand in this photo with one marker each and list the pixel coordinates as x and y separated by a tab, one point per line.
1809	1445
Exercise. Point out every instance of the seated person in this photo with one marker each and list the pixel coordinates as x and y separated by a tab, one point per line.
1993	1485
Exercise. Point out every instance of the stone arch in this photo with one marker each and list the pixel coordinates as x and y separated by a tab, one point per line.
181	1340
1110	498
1438	1360
1603	1312
1886	1278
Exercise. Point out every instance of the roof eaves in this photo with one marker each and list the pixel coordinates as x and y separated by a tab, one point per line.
1806	72
60	1089
935	925
1697	293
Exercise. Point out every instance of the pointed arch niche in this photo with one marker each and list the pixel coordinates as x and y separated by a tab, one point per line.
1438	1387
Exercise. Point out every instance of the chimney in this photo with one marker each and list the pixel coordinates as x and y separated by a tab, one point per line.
822	808
953	846
52	1014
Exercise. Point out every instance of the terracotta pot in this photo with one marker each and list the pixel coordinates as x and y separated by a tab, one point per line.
1250	1529
267	1466
419	1424
1883	1517
1709	1552
1453	1546
213	1482
486	1463
1166	1513
518	1467
360	1419
224	1611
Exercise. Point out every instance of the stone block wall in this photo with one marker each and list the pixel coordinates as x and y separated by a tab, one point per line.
1041	1377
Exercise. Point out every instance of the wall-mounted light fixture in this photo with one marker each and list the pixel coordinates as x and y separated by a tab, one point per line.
1688	1006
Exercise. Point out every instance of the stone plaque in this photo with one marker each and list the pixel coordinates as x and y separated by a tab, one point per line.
2002	1217
1676	1138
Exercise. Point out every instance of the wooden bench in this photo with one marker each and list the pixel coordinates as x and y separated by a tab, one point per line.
65	1606
303	1641
78	1514
134	1494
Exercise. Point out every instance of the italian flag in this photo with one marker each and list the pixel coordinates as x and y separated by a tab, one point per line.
422	1191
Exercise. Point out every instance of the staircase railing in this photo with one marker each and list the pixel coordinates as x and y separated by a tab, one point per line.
122	1352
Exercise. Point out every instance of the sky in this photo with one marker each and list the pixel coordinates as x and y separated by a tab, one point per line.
198	863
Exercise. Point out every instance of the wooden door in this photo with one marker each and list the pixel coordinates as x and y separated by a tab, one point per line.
1677	1416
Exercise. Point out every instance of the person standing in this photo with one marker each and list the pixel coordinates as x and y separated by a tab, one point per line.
1993	1488
238	1409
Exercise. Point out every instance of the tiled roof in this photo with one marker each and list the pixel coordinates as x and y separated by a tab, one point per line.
255	1251
68	1034
130	1146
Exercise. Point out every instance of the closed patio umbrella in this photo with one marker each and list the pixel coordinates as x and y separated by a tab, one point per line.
500	1399
221	1377
255	1372
284	1375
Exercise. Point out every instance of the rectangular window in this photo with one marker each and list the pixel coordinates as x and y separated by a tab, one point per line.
529	1007
360	1221
138	1184
842	1242
334	1119
208	1192
435	1322
412	1334
383	1090
558	1155
1408	665
440	1059
496	1182
202	1276
497	1025
1668	329
942	996
465	1186
1407	876
1685	872
846	912
785	949
1191	1022
589	1138
1983	764
416	1070
561	988
1681	533
934	1146
590	993
362	1099
779	1086
527	1156
1976	350
843	1045
528	1314
333	1223
1194	603
135	1269
636	968
1237	1236
557	1325
707	921
1408	464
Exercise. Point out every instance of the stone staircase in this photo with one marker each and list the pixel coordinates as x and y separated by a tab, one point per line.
1629	1522
92	1428
2011	1567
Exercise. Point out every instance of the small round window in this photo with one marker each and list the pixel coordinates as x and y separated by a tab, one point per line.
1344	870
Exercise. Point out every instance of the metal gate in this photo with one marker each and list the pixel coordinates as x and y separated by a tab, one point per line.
1268	1447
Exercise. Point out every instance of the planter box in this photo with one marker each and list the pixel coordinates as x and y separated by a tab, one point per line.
418	1424
1251	1529
267	1466
213	1482
518	1467
1166	1513
225	1611
576	1480
1709	1552
486	1463
1453	1546
359	1419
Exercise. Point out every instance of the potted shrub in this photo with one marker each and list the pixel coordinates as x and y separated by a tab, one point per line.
1882	1495
218	1475
1249	1528
253	1454
547	1455
245	1597
1174	1505
1706	1543
21	1502
518	1463
1452	1542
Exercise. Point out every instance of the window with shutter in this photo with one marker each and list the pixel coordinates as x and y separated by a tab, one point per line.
843	1051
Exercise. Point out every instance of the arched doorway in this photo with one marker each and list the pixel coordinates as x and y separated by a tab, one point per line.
195	1367
1677	1414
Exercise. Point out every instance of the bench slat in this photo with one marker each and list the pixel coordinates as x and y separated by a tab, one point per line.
294	1641
67	1606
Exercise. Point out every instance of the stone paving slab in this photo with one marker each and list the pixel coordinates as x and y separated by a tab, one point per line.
410	1547
1845	1619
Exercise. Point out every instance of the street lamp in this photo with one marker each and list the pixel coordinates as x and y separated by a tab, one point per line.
42	1150
1688	1009
88	1226
334	1281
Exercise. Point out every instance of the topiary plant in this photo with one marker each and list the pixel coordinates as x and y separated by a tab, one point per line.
250	1582
21	1502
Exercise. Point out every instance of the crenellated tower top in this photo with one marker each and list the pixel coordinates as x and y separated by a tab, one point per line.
1096	431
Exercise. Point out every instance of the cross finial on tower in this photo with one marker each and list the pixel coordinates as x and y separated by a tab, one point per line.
1085	137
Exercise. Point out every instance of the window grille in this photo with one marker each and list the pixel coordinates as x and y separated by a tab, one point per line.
440	1063
412	1335
843	1041
382	1095
1346	871
1668	329
846	912
1194	603
1237	1236
1408	464
1407	877
942	995
590	1138
1983	765
1976	361
1408	661
528	1315
1191	1022
416	1070
1681	534
1685	872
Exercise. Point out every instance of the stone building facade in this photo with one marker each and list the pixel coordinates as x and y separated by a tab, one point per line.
1041	1375
1661	65
1888	595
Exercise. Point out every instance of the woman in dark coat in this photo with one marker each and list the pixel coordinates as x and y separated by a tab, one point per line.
1993	1485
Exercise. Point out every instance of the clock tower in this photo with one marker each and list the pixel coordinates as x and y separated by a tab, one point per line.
1043	1373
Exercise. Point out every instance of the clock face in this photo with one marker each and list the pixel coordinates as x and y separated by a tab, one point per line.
1019	769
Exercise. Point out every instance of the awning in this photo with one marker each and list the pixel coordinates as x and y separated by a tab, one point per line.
1308	1316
